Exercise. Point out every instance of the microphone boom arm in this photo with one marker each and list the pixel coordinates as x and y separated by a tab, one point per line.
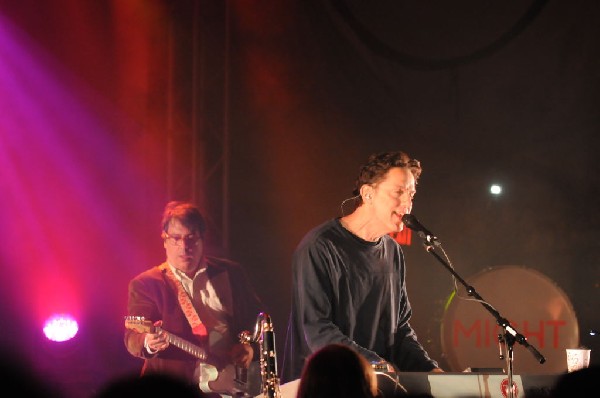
510	333
501	321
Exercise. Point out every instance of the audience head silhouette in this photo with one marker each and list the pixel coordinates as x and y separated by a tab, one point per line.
19	375
149	386
580	383
337	371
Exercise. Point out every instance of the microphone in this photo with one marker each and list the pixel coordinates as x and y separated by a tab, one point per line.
411	222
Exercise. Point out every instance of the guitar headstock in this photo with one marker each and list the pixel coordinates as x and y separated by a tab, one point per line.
140	324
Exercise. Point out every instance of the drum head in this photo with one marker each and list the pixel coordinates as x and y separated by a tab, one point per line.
534	305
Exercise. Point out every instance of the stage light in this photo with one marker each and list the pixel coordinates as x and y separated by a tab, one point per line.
495	189
60	327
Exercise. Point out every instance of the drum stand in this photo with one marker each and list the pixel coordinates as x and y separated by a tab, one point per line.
510	334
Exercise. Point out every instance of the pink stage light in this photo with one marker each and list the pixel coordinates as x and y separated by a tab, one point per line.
60	327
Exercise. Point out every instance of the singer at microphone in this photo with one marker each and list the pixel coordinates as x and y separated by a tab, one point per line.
411	222
345	267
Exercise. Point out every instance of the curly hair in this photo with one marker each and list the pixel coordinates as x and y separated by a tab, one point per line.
379	164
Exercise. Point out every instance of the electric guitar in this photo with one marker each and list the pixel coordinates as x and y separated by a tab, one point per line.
231	380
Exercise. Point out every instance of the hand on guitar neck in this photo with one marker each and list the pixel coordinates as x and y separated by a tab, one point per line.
156	341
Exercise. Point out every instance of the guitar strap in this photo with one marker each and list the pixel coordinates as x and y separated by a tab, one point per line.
185	302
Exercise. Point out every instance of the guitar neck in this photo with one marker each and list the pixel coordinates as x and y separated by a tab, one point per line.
143	325
186	346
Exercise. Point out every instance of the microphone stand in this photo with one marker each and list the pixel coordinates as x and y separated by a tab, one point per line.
510	334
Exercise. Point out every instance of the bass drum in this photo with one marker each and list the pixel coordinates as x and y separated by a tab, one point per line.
533	304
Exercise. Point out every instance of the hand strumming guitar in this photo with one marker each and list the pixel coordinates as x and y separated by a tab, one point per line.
241	355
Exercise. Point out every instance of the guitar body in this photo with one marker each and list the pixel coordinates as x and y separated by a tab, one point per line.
230	380
208	376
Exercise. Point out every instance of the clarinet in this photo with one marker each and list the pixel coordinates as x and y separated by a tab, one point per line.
265	336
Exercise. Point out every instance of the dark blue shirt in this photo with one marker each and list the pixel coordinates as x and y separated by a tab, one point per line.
350	291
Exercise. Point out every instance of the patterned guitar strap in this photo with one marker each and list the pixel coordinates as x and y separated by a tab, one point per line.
206	373
185	302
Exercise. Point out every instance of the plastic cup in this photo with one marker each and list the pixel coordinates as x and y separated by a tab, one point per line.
577	358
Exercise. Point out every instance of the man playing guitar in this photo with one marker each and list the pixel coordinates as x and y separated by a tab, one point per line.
202	303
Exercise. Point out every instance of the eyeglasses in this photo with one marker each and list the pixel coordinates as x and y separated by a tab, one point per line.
177	240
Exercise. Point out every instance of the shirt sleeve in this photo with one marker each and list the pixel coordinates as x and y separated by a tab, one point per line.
409	354
140	305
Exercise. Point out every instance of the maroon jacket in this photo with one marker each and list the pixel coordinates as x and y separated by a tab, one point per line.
153	296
